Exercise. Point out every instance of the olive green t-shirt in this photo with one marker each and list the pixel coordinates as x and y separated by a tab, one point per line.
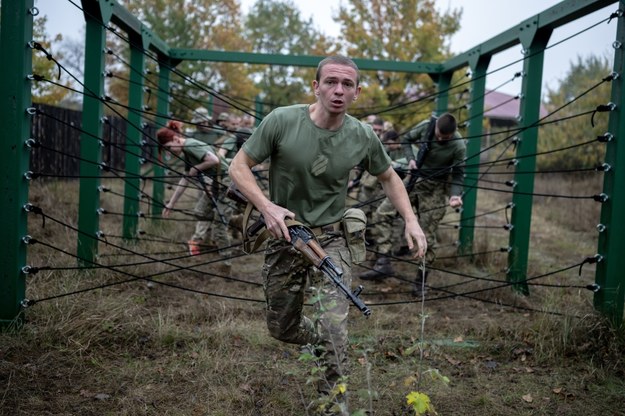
229	142
310	166
194	153
445	158
208	136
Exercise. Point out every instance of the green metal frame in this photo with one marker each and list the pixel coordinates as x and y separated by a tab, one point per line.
96	14
523	185
609	276
299	60
479	66
443	81
132	190
532	33
16	30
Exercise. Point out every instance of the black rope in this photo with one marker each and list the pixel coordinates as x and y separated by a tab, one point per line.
49	57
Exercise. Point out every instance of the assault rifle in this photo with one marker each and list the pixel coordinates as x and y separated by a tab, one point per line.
424	149
305	242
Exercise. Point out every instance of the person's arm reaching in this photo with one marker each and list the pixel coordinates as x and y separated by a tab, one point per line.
180	188
274	215
209	160
396	193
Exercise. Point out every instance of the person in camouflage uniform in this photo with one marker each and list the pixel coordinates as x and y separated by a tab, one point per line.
312	150
226	145
204	129
380	235
201	163
439	171
364	186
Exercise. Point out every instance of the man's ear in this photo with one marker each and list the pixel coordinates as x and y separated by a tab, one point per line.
357	93
315	86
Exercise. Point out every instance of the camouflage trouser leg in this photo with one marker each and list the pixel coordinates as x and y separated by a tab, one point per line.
201	230
201	209
285	273
220	232
432	208
369	190
382	226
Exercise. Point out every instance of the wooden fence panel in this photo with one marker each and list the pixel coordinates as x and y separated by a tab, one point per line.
58	131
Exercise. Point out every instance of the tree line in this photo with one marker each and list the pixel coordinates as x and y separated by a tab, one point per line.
406	30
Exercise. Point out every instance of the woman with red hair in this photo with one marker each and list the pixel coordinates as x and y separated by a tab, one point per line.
202	163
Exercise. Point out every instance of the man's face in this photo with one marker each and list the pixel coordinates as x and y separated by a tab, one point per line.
231	124
378	129
392	145
336	88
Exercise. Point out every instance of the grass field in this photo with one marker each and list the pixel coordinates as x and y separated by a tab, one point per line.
188	341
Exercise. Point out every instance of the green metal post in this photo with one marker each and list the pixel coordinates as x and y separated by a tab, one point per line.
16	31
609	275
534	41
96	15
442	101
162	109
134	136
479	66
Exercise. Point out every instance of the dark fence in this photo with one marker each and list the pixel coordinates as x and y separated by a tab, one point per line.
58	134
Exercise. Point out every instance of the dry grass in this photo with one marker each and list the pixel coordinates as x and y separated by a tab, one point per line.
151	349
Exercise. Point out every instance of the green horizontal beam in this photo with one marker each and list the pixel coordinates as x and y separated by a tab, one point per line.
111	10
298	60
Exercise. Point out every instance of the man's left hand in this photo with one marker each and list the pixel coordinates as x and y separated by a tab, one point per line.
414	234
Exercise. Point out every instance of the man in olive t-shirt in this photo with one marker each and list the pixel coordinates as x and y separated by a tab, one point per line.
312	150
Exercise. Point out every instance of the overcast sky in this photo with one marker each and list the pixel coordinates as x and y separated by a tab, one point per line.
481	20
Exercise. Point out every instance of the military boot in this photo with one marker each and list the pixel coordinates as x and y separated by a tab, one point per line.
381	270
420	283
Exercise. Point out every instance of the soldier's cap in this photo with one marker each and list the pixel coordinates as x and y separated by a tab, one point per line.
223	116
200	114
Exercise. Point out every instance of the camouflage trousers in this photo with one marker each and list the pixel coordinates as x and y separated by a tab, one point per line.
286	274
382	225
211	222
429	198
368	191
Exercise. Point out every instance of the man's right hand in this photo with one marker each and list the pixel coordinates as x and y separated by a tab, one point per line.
274	216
